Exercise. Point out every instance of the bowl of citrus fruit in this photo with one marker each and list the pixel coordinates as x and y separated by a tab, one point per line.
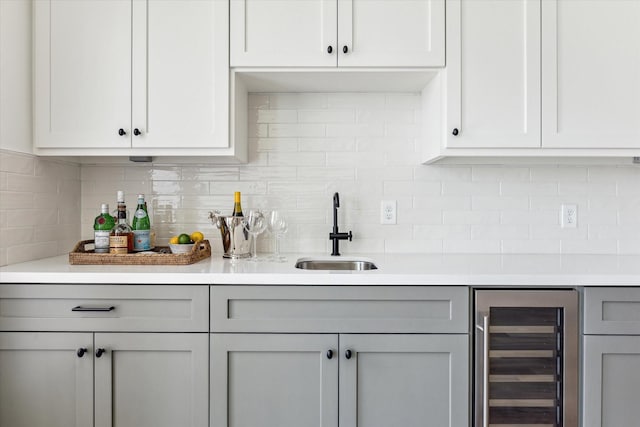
183	243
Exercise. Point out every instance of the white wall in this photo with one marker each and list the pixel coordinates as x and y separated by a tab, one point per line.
15	75
304	147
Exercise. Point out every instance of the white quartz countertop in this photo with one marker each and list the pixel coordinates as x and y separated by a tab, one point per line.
411	269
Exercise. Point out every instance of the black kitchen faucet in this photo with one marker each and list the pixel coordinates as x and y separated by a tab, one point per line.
335	235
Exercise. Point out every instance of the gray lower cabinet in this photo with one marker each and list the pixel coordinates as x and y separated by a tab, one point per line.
351	377
611	349
112	365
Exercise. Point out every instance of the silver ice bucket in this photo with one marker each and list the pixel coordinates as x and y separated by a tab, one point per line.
236	241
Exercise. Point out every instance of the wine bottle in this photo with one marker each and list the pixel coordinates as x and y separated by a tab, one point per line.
141	226
237	206
102	226
121	236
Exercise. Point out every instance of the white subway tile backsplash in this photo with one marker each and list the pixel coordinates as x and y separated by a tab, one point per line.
303	147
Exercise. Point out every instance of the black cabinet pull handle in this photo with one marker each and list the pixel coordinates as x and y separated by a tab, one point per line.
455	132
81	308
329	354
81	352
345	49
347	354
137	132
100	352
121	132
330	49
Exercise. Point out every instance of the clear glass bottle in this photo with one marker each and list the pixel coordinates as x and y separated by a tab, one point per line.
141	226
102	226
121	236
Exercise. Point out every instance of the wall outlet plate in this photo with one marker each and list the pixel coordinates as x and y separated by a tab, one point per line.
388	212
569	216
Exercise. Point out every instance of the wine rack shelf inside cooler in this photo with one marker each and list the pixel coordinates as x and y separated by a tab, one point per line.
525	366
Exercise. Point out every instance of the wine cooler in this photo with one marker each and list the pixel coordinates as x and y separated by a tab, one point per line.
526	358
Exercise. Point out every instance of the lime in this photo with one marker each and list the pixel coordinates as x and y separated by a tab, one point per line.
184	239
196	236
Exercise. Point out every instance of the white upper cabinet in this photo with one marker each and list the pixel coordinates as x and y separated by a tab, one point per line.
591	74
329	33
493	73
139	76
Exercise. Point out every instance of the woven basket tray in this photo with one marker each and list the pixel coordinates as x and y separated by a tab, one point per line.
83	256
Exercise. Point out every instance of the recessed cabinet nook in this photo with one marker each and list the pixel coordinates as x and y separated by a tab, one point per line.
533	78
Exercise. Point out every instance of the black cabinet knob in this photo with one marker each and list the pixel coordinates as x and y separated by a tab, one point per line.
330	49
329	354
100	352
81	352
455	132
347	354
137	132
345	49
121	132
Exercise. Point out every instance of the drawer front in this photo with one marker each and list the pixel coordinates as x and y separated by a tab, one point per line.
378	309
142	308
612	311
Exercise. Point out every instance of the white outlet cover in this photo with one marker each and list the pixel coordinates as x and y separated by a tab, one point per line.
388	212
569	216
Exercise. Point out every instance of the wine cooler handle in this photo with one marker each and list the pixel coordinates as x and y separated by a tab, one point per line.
485	369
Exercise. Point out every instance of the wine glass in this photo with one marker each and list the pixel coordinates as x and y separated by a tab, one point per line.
277	225
254	223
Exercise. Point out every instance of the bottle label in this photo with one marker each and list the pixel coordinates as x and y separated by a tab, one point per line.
140	213
118	245
101	240
141	240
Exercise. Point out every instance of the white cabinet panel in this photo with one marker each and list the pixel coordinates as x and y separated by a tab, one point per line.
151	380
82	64
493	74
274	380
407	380
180	74
283	32
43	382
591	74
611	381
396	33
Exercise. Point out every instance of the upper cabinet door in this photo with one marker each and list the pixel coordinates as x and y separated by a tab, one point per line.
283	33
399	33
591	74
82	64
493	73
180	74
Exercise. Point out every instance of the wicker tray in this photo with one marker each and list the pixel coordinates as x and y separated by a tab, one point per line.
83	256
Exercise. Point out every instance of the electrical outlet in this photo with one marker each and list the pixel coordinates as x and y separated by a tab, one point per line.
569	216
388	212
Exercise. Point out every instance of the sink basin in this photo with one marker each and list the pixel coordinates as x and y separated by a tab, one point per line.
335	264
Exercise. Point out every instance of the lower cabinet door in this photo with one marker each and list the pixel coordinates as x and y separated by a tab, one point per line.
611	381
46	380
151	379
274	380
404	380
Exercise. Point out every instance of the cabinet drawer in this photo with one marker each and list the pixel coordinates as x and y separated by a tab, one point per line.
151	308
613	311
380	309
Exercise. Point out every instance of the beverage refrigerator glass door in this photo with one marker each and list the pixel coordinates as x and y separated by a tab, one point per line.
526	358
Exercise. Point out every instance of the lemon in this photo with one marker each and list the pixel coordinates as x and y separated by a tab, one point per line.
196	236
184	239
174	240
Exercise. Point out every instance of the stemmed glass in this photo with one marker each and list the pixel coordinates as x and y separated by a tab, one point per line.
277	225
254	223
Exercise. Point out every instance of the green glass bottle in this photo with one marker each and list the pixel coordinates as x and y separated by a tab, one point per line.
102	226
141	226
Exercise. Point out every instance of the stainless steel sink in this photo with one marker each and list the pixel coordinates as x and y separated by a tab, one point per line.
335	264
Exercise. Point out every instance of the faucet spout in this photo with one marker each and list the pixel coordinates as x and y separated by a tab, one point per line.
335	235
